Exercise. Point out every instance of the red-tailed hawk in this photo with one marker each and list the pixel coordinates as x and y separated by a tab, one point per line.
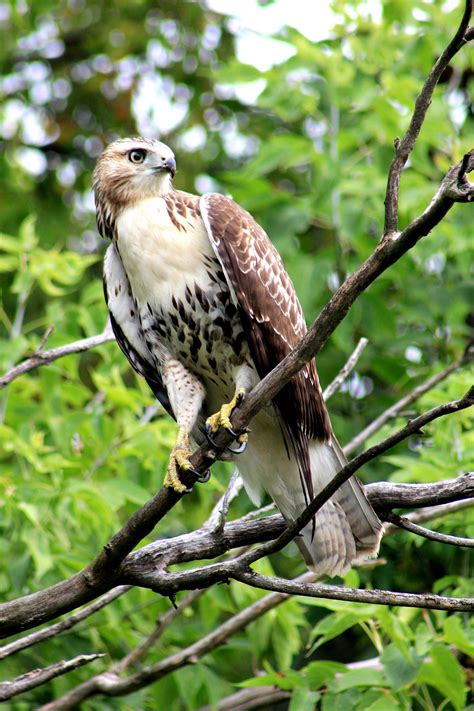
202	307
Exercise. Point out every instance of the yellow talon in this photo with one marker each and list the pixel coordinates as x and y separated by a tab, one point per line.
179	459
222	418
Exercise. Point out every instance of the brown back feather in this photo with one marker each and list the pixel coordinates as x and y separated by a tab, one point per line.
272	317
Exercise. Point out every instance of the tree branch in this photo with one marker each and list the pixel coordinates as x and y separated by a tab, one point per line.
430	513
106	571
345	370
412	427
170	583
373	597
412	396
112	685
37	677
67	624
405	523
103	573
47	357
387	495
94	685
404	147
204	544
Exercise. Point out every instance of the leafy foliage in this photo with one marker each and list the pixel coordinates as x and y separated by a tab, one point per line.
309	158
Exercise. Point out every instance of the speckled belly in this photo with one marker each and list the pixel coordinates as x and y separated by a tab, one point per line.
202	329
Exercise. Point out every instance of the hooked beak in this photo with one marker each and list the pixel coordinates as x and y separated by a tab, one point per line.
169	164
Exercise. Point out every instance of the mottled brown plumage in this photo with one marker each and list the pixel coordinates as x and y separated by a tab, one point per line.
202	307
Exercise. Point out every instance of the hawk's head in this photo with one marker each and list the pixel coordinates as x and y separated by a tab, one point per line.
129	170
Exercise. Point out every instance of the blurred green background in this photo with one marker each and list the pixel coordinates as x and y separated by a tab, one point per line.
300	132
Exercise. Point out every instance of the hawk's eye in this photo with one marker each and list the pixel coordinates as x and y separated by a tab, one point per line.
137	155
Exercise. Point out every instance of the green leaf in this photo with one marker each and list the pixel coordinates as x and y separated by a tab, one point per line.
27	233
303	700
366	676
341	701
39	547
283	680
332	626
384	702
118	491
321	673
445	673
460	633
284	151
398	670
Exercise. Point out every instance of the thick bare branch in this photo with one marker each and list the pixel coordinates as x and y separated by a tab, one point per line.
387	495
404	146
204	544
106	571
111	684
37	677
414	426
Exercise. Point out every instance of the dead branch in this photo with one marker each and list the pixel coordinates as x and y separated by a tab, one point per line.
345	370
47	357
411	397
407	525
430	514
37	677
204	544
387	495
404	146
373	597
106	571
67	624
111	684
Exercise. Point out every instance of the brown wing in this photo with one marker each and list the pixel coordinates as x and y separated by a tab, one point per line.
272	317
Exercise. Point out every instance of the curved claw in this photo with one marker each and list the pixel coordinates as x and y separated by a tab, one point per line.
204	477
207	429
201	478
241	448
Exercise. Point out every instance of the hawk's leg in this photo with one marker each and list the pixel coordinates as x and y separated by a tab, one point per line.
179	460
222	419
186	394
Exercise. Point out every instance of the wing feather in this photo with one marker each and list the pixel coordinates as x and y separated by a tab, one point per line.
127	328
272	317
